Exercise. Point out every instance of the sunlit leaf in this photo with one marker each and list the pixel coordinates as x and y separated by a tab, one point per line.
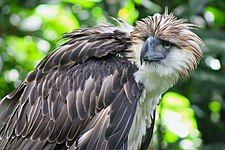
56	17
83	3
24	50
128	13
138	1
171	137
178	117
97	12
172	99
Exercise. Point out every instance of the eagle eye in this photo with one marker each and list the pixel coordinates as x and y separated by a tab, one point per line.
167	45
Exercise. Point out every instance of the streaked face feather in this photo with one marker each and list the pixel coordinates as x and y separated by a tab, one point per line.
185	53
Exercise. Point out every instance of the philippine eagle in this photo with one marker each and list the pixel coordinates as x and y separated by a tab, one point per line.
101	88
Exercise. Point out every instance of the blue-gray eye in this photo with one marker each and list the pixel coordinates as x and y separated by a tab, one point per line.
167	45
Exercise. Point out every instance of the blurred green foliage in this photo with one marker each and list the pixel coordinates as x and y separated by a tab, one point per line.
192	114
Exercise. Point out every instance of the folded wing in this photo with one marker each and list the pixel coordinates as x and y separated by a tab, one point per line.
82	96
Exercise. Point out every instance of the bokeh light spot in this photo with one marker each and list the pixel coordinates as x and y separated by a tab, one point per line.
179	128
50	34
215	117
31	23
14	19
46	11
5	9
11	75
214	106
209	16
213	63
83	15
43	46
187	144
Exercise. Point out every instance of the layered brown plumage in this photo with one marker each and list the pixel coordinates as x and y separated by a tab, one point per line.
84	88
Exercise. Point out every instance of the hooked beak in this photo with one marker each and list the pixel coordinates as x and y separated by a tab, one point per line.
149	51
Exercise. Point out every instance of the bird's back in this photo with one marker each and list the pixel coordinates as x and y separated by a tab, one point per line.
81	96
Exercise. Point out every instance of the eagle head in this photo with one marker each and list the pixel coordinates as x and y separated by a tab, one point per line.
166	45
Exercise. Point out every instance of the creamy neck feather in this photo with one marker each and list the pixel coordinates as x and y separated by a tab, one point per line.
155	85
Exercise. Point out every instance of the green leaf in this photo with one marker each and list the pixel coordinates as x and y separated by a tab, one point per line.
58	18
128	13
172	99
83	3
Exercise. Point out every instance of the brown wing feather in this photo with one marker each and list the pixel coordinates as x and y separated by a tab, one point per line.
80	88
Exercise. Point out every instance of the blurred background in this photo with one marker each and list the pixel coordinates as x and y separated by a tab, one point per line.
192	114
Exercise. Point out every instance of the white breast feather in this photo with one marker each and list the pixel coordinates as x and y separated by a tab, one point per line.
142	120
156	82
